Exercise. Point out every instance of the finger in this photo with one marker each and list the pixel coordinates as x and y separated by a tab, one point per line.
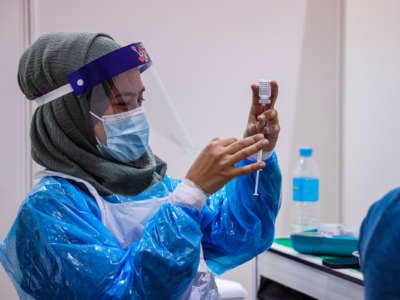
227	141
269	117
272	130
243	143
274	93
248	168
256	97
222	142
247	151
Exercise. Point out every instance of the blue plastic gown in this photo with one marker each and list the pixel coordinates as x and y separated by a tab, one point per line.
58	247
379	248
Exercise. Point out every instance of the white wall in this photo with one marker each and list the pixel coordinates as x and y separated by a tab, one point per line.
371	104
207	54
316	118
14	120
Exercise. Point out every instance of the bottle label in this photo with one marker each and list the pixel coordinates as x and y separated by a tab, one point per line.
305	189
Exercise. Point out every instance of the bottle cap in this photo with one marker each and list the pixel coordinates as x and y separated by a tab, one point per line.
306	151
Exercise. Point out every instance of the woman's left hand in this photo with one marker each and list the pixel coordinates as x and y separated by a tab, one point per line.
264	118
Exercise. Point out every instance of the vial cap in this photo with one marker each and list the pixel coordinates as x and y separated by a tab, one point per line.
306	151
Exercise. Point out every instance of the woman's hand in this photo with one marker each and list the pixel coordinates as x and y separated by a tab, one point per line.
264	118
215	165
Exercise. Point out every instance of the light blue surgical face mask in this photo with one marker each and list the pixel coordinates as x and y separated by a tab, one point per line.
127	135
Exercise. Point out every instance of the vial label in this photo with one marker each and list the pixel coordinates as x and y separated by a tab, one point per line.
305	189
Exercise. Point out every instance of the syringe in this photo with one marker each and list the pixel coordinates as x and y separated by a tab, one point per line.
264	92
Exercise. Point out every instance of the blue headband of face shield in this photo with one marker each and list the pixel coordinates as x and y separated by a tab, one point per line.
100	70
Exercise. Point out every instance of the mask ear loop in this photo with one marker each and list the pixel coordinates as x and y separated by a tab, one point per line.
96	116
101	120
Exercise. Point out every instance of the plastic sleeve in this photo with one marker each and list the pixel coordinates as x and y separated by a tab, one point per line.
237	225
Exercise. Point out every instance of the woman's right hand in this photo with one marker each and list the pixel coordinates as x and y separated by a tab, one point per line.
215	165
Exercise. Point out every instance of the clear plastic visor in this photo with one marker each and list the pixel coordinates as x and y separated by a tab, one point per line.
131	90
127	99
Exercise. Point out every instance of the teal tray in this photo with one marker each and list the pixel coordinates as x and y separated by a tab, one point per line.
318	244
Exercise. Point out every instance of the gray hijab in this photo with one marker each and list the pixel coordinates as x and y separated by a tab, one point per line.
62	136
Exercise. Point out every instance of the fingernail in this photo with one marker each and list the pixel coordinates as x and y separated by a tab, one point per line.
259	137
263	123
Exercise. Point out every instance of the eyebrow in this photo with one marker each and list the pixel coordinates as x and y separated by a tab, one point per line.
132	94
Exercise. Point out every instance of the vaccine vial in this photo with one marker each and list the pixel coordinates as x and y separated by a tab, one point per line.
264	91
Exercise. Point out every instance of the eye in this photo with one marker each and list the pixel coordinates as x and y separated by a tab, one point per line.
141	97
141	100
121	104
125	100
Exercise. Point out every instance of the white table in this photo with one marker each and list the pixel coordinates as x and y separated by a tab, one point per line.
307	274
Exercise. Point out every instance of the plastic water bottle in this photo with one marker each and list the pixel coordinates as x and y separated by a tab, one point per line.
305	204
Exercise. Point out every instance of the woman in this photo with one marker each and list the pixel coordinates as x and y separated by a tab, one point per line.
105	221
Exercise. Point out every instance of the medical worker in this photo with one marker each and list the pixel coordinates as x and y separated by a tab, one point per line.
379	247
105	221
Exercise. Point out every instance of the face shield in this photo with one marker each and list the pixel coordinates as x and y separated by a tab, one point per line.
124	103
